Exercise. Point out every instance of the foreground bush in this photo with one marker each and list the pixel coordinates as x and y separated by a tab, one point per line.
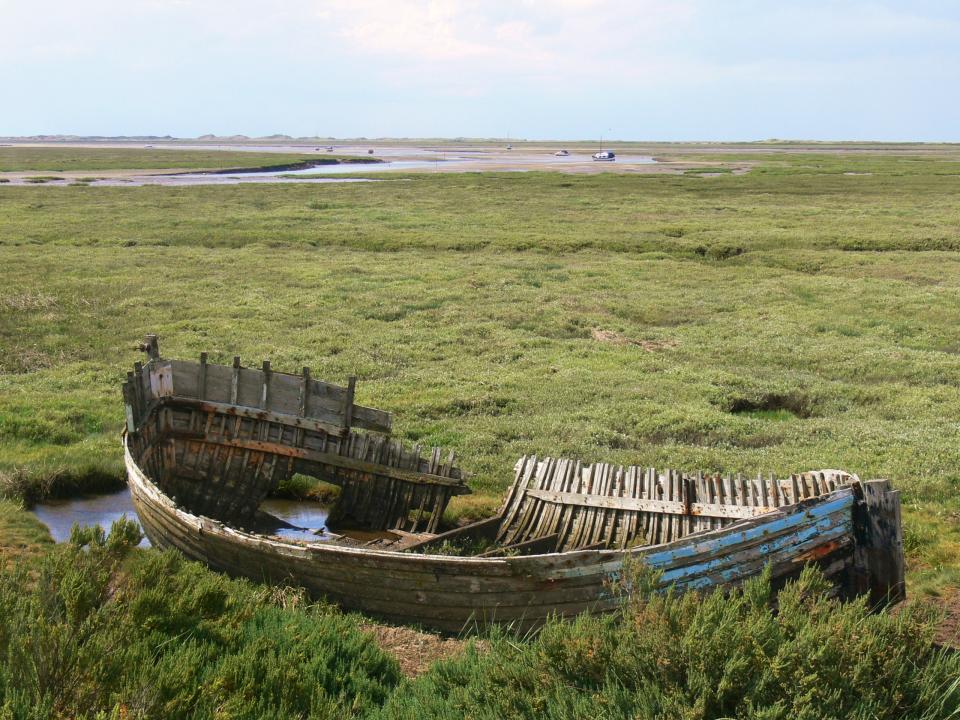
93	630
713	657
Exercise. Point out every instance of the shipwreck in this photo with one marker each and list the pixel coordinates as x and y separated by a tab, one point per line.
205	444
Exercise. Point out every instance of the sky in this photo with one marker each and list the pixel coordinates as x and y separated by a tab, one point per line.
535	69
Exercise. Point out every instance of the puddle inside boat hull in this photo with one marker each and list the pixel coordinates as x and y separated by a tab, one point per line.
305	521
298	520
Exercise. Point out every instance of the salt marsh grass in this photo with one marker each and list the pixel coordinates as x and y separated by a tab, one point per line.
802	315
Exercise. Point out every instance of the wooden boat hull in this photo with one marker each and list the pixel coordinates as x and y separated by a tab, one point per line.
205	444
452	593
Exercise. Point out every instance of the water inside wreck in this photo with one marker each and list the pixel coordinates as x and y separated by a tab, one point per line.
303	520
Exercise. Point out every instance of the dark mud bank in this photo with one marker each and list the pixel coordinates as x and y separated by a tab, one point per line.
285	167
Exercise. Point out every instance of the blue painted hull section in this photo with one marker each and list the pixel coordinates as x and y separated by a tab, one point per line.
730	539
824	530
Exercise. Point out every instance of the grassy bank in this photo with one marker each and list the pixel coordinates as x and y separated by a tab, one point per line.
69	159
20	532
785	207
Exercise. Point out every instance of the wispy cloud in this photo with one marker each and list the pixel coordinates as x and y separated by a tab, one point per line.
650	63
569	38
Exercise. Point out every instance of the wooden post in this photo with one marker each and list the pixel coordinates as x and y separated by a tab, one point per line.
794	490
305	393
265	394
235	382
202	381
151	347
878	556
141	392
134	398
348	404
129	402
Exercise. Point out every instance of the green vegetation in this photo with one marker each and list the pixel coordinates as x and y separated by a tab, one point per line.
800	316
304	487
780	210
71	159
20	531
88	632
708	171
751	323
722	656
803	162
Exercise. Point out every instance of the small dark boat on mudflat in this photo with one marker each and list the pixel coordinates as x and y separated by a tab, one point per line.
205	444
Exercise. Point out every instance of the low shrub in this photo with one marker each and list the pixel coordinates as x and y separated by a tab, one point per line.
95	629
692	657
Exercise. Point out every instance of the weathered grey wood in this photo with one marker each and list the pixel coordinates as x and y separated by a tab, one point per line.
650	520
598	487
681	504
629	529
161	379
333	459
129	403
347	408
151	347
667	507
526	511
439	591
587	479
673	522
878	557
305	392
202	379
235	380
234	483
237	456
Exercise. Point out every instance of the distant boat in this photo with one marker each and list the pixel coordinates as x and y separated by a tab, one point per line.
561	153
509	147
147	147
329	148
605	155
370	151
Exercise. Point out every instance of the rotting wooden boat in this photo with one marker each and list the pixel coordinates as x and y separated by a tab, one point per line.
206	443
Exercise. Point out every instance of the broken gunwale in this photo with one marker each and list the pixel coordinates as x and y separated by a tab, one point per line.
683	551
